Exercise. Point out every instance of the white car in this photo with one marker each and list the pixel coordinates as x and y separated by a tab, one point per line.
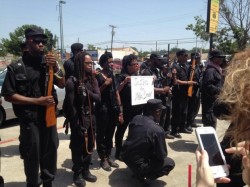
6	111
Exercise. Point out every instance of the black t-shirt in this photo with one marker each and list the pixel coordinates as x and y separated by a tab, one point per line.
126	99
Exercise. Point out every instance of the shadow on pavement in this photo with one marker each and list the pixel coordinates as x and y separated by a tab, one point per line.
15	184
125	175
63	136
63	178
198	121
10	151
183	146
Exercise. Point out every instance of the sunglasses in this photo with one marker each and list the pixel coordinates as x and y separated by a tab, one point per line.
39	40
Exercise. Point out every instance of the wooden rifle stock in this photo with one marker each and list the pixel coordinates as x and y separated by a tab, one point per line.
50	114
190	87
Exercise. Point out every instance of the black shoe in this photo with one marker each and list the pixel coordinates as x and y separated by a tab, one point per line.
88	176
78	180
176	135
105	165
185	131
169	136
189	128
112	163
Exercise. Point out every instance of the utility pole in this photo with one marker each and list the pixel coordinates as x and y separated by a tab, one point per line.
61	27
112	35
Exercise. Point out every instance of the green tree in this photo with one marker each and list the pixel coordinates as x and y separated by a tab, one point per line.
12	45
3	51
135	49
91	47
234	26
199	28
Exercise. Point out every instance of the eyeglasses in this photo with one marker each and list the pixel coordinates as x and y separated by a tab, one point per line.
133	64
185	55
39	40
89	63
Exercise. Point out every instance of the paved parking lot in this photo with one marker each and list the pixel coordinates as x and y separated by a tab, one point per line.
181	150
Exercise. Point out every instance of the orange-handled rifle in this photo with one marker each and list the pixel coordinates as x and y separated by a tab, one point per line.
190	87
50	114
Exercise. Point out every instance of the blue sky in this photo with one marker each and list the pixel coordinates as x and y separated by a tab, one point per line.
137	21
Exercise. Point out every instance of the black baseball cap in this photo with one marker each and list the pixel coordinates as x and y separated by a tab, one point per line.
34	32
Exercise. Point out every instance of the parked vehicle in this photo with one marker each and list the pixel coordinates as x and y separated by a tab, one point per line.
6	111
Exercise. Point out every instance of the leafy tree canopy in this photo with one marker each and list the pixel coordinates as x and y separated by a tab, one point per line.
234	26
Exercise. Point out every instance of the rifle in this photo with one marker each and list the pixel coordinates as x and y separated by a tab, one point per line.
82	112
112	94
50	113
190	87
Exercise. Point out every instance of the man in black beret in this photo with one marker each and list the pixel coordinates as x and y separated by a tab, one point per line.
145	151
24	87
180	95
194	100
211	85
69	64
161	87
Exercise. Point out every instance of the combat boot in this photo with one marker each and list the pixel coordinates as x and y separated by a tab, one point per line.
78	180
112	163
105	165
88	176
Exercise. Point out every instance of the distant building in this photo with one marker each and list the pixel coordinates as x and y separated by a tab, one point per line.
118	53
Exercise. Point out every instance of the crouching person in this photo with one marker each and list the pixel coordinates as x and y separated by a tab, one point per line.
145	151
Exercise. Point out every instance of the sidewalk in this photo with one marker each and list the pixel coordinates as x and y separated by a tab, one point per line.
181	150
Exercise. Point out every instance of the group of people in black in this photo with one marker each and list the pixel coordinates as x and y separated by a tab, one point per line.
97	107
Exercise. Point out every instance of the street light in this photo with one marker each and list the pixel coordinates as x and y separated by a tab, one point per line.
61	27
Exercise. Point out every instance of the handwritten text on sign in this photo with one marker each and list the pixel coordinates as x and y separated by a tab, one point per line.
142	89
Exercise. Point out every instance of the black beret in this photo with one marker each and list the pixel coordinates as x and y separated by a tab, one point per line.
155	56
76	47
154	104
34	32
181	52
216	53
196	55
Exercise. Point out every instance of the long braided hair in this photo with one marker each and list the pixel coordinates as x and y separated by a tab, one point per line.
79	67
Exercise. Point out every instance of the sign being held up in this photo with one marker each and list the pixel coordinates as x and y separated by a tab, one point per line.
142	89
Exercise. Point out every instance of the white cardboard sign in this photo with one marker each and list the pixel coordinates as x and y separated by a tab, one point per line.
142	89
